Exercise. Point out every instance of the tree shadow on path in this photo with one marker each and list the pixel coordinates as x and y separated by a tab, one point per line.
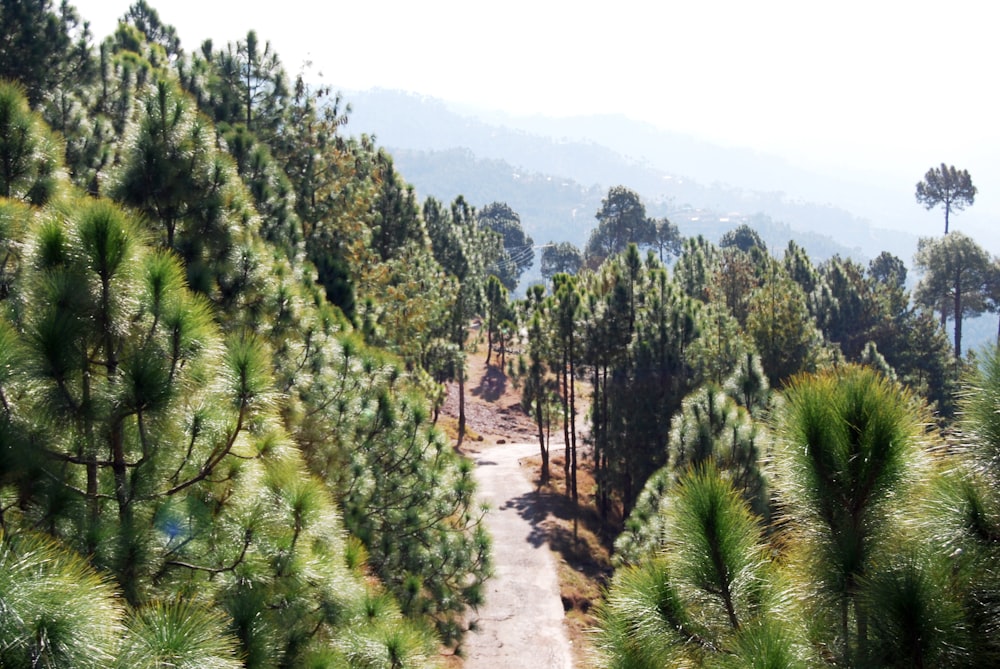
492	386
551	517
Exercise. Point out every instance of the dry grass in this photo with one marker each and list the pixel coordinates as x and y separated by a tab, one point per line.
449	425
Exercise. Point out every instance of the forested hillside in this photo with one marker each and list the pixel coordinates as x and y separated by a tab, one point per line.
228	326
220	320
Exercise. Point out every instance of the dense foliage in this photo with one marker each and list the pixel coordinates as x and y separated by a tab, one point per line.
225	330
181	404
880	550
645	337
769	428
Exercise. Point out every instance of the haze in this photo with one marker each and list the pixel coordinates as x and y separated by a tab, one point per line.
884	90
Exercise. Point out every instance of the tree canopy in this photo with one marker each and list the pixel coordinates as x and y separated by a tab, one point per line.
518	253
957	274
621	221
560	258
948	187
743	238
181	404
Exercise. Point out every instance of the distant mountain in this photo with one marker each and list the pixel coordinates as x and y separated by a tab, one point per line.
560	209
551	208
554	173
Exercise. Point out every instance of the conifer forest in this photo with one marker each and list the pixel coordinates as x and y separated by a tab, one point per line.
228	328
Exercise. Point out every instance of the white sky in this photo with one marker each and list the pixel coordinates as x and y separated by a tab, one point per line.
886	86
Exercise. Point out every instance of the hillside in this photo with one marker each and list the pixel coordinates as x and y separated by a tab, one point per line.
250	413
210	453
561	209
546	166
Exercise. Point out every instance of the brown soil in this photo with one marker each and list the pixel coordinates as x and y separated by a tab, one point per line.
580	540
492	406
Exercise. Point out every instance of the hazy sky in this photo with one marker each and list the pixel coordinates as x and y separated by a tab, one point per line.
886	86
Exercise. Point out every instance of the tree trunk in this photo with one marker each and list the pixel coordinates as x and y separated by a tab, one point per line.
564	373
627	487
93	504
540	424
572	416
89	451
958	312
845	629
489	339
249	82
461	405
595	431
600	404
572	433
120	469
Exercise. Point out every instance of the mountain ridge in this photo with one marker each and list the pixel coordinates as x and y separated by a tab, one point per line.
417	128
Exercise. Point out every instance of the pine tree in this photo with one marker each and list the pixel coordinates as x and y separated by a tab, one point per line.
621	221
708	596
956	274
518	251
30	155
146	20
696	266
967	515
666	238
566	314
851	574
561	258
946	186
177	178
44	49
710	428
606	339
733	282
496	312
851	451
538	394
247	86
397	218
782	330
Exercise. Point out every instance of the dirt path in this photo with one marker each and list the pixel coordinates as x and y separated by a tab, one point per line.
521	623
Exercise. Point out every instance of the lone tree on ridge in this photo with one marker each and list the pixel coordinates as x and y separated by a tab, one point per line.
948	186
